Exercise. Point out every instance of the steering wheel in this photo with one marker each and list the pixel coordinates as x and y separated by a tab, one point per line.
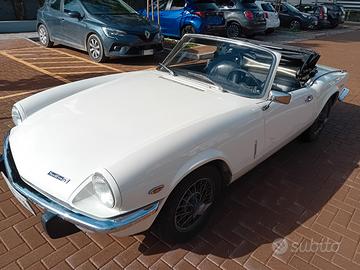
245	74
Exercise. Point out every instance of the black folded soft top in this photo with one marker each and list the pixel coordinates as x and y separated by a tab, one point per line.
304	60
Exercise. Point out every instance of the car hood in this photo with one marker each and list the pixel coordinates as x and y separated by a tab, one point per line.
95	128
130	23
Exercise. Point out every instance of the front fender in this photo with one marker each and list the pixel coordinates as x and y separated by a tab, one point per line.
196	162
194	21
331	84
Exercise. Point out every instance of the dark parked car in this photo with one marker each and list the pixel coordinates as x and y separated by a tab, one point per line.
327	14
319	11
103	28
243	17
178	17
335	14
291	17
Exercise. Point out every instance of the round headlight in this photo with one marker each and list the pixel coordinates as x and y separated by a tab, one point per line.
16	115
103	190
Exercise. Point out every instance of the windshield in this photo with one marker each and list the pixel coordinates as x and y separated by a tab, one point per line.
240	69
107	7
290	7
267	7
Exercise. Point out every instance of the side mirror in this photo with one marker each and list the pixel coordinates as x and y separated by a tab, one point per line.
280	97
74	14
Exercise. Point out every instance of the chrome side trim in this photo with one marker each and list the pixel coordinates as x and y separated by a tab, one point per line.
81	220
343	93
312	81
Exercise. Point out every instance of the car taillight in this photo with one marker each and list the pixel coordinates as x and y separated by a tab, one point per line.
321	14
249	15
266	15
200	13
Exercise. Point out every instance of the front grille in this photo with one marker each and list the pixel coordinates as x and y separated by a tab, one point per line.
144	38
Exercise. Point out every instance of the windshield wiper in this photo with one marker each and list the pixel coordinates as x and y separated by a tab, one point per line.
206	78
167	69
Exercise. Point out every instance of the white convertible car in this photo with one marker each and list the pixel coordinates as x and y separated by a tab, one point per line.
115	153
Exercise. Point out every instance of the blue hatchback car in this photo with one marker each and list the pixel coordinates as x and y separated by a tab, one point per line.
178	17
103	28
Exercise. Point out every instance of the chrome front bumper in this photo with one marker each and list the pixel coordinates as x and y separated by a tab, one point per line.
7	166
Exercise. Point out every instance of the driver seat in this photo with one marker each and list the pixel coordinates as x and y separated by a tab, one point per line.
221	70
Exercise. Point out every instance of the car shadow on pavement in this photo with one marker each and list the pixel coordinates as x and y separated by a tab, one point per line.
32	82
282	196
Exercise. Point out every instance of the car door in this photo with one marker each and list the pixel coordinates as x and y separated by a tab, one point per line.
74	29
153	15
284	15
172	18
285	122
52	16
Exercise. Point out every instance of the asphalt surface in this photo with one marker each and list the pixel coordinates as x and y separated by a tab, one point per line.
307	194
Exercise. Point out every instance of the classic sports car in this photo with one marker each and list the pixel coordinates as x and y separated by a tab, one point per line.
114	153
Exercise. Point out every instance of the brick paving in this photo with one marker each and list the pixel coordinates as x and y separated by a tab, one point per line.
306	193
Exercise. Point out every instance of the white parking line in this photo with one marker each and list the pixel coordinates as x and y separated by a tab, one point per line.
69	67
34	67
86	60
19	94
82	72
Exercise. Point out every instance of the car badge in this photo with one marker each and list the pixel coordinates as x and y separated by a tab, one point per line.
147	34
59	177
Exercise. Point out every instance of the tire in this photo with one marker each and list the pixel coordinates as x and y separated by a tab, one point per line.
313	132
187	29
44	36
189	205
95	48
295	25
269	31
233	30
333	23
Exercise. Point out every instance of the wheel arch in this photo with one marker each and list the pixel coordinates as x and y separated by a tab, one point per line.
48	30
333	95
194	21
207	158
91	32
188	23
299	20
230	21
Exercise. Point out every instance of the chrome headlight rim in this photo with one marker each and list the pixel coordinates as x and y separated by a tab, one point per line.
113	33
112	184
17	115
102	190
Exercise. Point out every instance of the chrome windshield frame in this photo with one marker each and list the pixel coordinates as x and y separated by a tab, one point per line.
272	71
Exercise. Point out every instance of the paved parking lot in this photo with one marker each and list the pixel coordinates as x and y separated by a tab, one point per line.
308	194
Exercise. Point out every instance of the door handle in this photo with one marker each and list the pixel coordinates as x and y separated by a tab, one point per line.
309	98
